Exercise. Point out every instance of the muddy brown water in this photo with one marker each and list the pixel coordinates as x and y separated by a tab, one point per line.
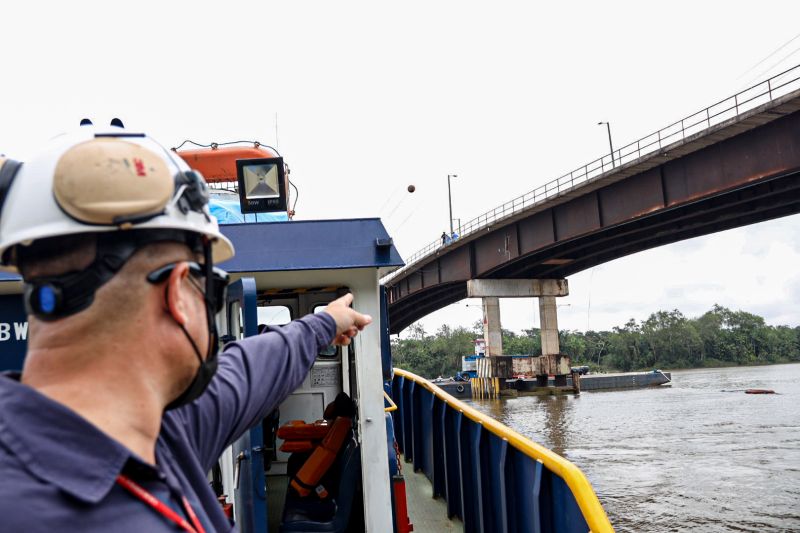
689	457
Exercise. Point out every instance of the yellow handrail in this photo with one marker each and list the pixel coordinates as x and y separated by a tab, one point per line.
392	405
590	507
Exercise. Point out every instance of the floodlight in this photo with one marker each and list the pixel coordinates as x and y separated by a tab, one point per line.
262	185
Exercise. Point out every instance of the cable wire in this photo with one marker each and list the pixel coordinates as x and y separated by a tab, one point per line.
226	144
775	78
296	194
781	47
255	143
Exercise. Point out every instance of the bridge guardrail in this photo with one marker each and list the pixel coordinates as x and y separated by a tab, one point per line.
726	109
491	477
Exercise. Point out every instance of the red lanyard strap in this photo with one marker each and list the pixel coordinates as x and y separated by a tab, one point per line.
162	508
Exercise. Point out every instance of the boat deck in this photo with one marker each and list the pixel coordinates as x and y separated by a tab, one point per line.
428	515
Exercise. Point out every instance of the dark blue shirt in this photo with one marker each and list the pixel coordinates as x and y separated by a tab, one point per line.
58	471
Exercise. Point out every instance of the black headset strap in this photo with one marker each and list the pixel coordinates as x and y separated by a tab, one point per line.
7	174
210	297
76	289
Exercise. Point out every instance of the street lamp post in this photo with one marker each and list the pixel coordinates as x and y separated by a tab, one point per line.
611	146
450	200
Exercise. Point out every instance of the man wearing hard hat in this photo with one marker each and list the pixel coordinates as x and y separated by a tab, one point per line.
123	405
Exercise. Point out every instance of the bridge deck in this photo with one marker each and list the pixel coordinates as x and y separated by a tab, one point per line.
741	170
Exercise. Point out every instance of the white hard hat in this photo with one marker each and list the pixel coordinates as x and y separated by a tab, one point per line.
102	180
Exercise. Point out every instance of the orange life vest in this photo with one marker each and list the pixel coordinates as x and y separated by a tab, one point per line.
324	455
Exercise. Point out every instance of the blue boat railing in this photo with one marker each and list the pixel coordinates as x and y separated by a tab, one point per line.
491	477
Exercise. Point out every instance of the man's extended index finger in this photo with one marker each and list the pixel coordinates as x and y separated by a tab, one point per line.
362	320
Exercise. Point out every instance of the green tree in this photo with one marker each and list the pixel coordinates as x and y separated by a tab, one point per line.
666	339
573	344
709	328
528	343
625	347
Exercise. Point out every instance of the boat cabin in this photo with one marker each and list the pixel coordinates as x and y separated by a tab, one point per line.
284	271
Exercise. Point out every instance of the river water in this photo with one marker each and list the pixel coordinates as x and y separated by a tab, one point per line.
685	457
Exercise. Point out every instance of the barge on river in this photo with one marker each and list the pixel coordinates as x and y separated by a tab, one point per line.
588	382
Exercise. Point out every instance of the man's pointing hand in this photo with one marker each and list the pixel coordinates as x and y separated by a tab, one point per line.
348	321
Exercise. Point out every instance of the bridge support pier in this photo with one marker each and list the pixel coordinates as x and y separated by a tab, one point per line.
546	290
492	331
548	318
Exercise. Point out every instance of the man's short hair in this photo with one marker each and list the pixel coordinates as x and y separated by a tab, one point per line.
56	255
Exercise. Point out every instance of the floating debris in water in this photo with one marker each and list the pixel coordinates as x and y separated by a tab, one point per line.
751	391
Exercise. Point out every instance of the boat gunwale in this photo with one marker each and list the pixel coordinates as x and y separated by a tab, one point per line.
593	512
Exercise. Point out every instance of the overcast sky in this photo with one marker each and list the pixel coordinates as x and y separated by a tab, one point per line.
370	97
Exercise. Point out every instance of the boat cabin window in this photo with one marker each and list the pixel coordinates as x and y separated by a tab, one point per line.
331	351
274	315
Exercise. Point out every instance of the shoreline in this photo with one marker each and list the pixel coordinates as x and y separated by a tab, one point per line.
673	369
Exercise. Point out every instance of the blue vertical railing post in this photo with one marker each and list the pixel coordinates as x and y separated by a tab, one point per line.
496	483
425	421
453	459
397	395
478	484
514	512
417	429
468	514
535	491
439	482
408	420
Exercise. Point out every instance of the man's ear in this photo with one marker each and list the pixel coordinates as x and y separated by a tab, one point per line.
176	298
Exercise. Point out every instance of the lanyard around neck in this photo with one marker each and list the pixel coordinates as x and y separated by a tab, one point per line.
162	508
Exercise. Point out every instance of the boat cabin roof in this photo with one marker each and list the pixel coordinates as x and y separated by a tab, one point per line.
305	245
310	245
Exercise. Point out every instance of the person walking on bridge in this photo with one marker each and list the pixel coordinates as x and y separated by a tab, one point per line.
123	405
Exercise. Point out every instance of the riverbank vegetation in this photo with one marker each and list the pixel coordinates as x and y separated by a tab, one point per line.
666	339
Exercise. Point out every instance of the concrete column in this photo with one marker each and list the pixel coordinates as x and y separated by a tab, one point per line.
545	289
491	326
549	328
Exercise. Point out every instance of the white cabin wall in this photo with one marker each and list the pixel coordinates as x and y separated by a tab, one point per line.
364	284
372	427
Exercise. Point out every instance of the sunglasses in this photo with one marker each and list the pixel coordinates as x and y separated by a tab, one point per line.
219	281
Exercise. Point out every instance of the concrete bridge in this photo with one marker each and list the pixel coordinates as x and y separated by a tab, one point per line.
734	163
